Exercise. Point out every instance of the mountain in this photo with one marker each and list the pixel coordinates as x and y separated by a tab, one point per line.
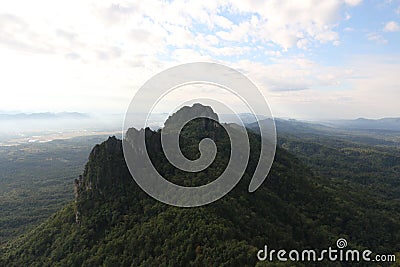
38	123
312	131
388	124
44	116
294	126
112	222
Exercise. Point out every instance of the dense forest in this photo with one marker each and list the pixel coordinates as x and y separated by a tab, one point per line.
330	189
35	181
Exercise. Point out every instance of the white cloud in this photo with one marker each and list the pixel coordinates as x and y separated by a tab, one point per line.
349	29
83	53
293	74
376	37
302	44
273	53
368	86
353	2
16	33
376	85
184	55
230	50
286	22
68	27
222	21
391	26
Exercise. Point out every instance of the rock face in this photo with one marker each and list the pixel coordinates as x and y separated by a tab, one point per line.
103	167
77	186
106	169
197	110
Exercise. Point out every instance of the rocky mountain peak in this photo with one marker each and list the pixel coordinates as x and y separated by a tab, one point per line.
186	112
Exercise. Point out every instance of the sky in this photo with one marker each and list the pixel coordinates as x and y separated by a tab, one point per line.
326	59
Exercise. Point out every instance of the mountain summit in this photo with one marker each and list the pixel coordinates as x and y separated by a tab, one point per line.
186	112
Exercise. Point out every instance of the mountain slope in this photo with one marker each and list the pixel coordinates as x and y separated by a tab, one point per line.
114	223
124	225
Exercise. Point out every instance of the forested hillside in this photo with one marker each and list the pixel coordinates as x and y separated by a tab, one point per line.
36	179
112	222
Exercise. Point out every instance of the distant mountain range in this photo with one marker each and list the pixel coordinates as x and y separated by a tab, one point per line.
391	124
157	120
327	127
64	121
44	115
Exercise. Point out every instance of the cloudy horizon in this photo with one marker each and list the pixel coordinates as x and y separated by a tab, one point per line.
311	59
